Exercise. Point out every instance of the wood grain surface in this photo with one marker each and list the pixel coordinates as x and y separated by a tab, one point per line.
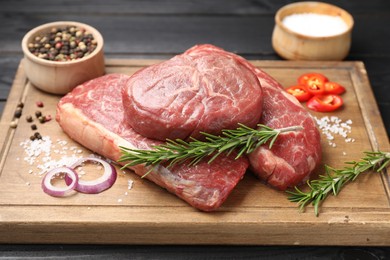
158	30
254	213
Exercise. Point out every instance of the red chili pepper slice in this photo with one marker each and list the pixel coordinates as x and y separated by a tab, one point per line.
325	103
315	87
300	92
314	82
303	79
334	88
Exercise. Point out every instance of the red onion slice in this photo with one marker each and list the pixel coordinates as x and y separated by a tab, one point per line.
98	185
70	175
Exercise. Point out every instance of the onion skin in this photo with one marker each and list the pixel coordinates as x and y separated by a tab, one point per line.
51	190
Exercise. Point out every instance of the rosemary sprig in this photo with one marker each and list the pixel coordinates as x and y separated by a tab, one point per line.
243	139
335	179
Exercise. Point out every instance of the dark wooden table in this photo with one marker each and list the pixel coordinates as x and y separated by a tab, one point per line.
160	29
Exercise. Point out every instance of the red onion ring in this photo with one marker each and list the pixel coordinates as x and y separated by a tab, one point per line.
70	174
98	185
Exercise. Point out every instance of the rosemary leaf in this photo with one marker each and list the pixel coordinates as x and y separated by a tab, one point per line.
335	179
244	139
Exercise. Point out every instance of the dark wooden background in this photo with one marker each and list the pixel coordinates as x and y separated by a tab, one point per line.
160	29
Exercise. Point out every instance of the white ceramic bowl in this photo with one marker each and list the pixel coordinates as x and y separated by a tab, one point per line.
60	77
296	46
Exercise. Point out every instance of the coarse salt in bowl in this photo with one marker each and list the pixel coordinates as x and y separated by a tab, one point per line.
312	31
316	25
60	77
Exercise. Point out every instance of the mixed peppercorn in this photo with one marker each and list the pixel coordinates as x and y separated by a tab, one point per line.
63	44
38	114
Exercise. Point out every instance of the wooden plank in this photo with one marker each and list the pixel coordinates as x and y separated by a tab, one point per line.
226	7
161	33
254	214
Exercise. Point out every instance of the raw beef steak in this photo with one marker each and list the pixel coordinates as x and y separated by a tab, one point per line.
198	91
295	154
92	114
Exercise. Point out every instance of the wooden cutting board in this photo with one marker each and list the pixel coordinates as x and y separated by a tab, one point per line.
254	214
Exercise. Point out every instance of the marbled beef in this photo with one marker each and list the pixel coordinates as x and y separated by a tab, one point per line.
92	114
294	155
205	89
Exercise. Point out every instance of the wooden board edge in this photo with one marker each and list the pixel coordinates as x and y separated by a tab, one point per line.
260	63
145	227
15	96
371	115
131	62
373	121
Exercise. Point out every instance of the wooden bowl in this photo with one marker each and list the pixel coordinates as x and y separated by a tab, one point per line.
296	46
60	77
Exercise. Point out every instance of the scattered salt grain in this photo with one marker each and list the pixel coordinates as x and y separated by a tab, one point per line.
317	25
130	184
38	153
36	148
334	126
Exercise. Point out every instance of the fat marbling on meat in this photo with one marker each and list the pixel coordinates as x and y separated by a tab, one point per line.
92	114
197	91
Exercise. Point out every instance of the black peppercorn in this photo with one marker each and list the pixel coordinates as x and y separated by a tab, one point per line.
29	119
34	127
18	112
38	114
38	135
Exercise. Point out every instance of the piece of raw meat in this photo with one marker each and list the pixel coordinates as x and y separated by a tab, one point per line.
294	155
193	92
92	114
